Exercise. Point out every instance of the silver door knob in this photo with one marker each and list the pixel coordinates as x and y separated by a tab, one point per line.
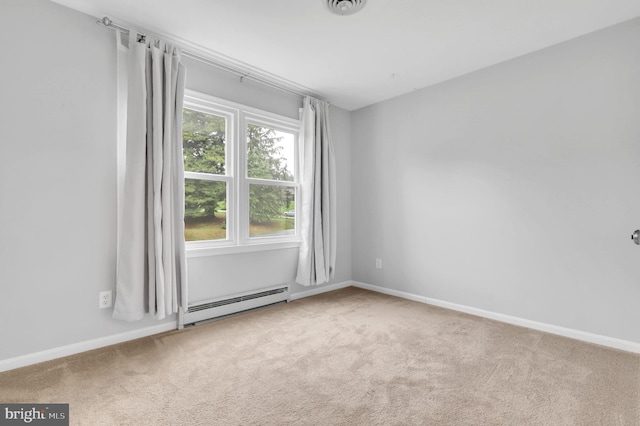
636	236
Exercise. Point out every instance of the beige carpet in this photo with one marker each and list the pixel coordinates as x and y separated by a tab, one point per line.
349	357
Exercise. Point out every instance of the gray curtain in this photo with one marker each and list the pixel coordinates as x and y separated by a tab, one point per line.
317	255
151	264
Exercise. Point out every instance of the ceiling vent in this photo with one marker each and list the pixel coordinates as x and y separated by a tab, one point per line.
344	7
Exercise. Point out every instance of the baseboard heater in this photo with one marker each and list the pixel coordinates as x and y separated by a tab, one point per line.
233	304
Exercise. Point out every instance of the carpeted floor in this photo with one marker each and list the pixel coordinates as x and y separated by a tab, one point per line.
348	357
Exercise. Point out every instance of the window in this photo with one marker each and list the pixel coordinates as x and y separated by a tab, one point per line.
241	176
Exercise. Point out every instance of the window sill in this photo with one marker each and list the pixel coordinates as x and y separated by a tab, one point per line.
235	249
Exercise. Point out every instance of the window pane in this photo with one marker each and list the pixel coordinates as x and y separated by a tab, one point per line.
270	153
271	210
205	215
204	142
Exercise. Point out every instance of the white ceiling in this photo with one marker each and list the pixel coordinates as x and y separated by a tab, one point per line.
390	48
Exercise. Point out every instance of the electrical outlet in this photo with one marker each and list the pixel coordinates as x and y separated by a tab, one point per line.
105	299
378	263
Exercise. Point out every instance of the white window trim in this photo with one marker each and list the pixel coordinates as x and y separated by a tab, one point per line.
238	117
234	249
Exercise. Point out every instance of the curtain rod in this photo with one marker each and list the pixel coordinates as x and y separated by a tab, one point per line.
107	22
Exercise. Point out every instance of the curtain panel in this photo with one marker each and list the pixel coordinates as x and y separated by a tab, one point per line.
317	254
151	261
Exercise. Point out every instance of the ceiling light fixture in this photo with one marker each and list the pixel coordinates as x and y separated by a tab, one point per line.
344	7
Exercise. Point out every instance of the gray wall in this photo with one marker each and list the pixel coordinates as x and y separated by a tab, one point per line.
513	189
58	181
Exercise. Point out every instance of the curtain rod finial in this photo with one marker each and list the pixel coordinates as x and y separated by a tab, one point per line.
105	21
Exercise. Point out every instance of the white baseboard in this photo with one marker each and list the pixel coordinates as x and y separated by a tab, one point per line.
62	351
611	342
75	348
320	289
390	292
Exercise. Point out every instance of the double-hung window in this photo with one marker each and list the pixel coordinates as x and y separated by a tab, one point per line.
241	177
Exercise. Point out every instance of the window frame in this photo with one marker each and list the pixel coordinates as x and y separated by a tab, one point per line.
278	125
238	118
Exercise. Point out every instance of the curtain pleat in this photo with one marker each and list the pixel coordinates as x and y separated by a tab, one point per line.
317	254
151	274
179	250
121	132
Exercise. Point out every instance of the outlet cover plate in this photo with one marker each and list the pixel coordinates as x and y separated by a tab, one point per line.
105	299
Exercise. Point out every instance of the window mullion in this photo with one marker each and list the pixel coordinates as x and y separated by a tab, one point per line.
243	186
272	182
207	176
